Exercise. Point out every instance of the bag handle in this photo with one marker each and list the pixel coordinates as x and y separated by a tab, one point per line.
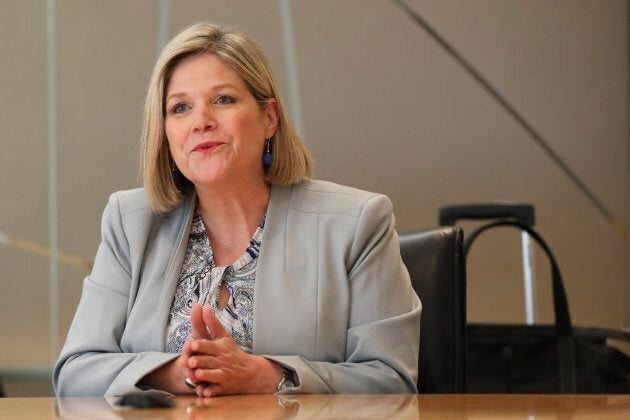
560	303
523	213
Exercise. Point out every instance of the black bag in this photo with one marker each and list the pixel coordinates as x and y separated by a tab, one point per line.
537	359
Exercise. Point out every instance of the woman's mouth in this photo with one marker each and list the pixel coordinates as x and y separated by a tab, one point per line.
207	146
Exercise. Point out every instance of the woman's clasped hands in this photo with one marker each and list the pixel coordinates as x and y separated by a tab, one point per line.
218	366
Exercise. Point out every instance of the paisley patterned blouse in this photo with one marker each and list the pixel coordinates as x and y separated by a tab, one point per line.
200	282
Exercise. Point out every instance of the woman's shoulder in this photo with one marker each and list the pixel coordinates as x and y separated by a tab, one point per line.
129	213
129	201
328	197
327	187
135	203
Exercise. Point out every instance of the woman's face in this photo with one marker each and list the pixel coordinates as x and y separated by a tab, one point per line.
215	128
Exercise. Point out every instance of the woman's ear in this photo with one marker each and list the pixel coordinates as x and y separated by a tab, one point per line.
271	114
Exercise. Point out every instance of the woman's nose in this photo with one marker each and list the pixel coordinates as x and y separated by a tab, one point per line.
203	120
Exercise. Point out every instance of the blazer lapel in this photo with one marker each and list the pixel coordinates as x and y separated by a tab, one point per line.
270	265
183	217
286	288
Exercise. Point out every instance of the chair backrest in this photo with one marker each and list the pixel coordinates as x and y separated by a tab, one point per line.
435	261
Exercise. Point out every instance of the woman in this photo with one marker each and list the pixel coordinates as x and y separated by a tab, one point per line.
301	281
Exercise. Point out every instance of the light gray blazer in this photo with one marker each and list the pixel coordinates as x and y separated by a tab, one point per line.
332	301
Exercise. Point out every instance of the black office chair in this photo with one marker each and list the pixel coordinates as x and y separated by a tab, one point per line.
435	262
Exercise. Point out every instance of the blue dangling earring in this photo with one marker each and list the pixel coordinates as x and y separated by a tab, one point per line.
267	156
174	172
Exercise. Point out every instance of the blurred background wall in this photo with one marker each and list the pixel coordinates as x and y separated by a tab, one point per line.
379	103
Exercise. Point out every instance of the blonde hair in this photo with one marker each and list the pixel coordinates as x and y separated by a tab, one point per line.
292	162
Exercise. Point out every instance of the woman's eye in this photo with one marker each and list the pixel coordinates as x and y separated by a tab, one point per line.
224	100
179	108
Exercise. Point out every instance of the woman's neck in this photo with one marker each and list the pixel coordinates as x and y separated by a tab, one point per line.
231	217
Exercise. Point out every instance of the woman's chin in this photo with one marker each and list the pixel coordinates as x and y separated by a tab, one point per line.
215	180
210	182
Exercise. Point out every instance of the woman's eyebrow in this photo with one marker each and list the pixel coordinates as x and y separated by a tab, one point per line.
175	95
223	86
214	88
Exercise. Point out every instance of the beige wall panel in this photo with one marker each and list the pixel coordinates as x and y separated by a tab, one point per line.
386	109
106	52
23	184
563	64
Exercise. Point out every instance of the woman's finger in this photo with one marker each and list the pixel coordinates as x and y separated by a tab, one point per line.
203	362
199	390
209	390
212	390
207	347
209	375
213	324
199	329
187	353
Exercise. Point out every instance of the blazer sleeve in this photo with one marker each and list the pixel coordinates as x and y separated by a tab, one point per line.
91	362
383	331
